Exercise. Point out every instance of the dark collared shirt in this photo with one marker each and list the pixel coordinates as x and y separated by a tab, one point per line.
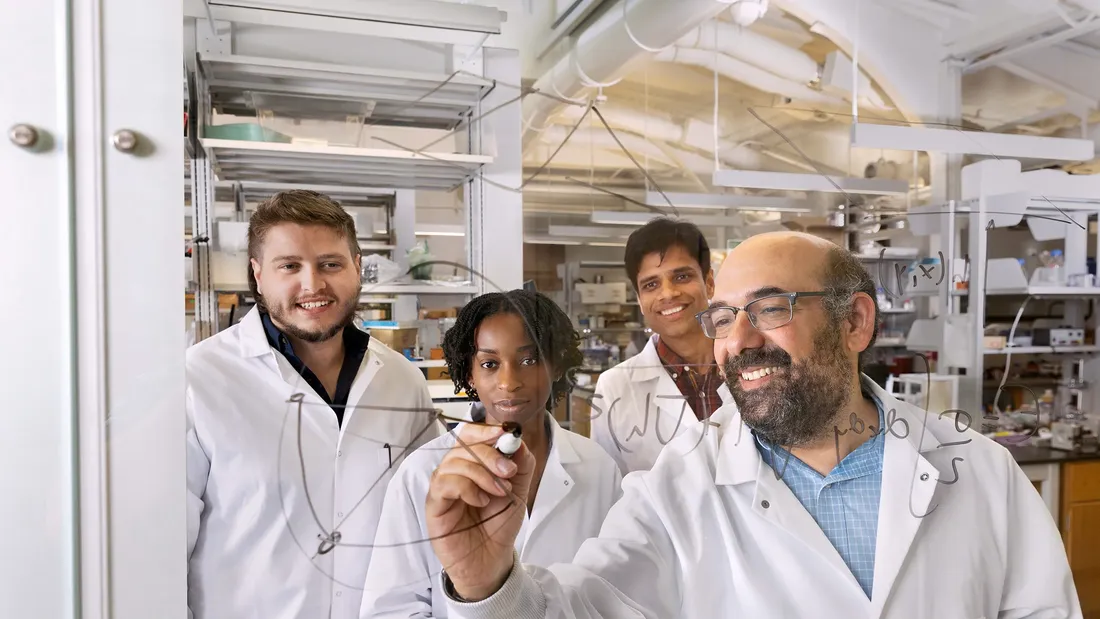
355	348
698	385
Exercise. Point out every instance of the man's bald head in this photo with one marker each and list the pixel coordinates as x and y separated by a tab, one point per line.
804	312
796	249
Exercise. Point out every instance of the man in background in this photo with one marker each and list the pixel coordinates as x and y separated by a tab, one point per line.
296	421
673	384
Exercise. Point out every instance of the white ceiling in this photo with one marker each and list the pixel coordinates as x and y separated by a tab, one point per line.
1005	47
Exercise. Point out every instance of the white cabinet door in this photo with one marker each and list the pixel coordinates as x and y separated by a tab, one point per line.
92	449
37	392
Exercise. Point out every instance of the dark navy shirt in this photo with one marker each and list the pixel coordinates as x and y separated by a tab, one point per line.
355	348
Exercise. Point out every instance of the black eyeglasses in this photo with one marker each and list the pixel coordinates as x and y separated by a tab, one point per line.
765	313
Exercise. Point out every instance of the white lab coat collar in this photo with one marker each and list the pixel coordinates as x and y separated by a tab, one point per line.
909	482
253	340
647	366
253	343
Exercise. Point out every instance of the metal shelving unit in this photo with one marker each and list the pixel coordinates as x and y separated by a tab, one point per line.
246	171
307	164
243	86
997	195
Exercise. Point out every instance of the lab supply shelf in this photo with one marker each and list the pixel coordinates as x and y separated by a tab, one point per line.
1055	207
308	164
441	288
243	85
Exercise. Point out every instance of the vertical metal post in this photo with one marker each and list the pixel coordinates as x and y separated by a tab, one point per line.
404	234
202	217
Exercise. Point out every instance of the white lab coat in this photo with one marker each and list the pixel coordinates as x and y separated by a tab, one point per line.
711	532
252	537
637	409
579	485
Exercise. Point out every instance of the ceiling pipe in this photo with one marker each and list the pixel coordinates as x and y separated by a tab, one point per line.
754	48
603	52
746	73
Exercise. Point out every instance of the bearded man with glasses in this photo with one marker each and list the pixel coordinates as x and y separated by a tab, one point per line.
817	495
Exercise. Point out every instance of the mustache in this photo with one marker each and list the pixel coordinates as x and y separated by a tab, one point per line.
757	356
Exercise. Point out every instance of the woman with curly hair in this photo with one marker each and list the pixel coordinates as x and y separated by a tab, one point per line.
511	353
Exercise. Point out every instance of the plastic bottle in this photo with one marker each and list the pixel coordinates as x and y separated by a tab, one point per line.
1057	267
1046	407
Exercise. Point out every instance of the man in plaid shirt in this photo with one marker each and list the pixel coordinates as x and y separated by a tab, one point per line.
673	384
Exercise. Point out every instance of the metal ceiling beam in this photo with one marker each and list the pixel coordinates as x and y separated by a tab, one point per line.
1042	42
1073	97
994	34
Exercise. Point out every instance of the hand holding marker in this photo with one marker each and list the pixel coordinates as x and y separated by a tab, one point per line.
509	442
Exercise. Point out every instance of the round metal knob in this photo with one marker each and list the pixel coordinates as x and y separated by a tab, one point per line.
23	135
125	140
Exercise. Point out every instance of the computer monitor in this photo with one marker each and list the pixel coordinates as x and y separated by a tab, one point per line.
529	286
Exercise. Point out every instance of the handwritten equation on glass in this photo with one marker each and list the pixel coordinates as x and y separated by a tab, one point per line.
936	271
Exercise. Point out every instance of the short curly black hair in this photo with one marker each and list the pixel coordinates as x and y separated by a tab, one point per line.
547	326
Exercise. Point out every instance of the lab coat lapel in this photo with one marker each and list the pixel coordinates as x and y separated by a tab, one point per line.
787	512
295	390
556	481
371	365
740	462
674	414
909	483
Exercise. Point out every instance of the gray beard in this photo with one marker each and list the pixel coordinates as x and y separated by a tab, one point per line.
802	403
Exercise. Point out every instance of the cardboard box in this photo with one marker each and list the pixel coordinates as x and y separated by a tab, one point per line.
438	374
435	354
436	314
399	339
614	292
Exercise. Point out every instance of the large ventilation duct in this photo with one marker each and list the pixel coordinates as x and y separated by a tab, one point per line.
746	73
601	55
754	48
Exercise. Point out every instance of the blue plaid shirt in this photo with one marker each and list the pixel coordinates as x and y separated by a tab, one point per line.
845	502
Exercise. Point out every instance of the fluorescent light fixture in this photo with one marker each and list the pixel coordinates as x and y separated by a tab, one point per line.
788	181
727	200
439	230
624	218
546	240
586	231
595	244
904	137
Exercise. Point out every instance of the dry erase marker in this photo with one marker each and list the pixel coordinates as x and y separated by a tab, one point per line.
509	442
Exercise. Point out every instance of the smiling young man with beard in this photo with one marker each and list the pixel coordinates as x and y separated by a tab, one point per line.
296	420
781	509
673	384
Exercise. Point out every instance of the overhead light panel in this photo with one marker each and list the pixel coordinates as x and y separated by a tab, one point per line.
904	137
727	201
600	244
788	181
439	230
625	218
585	231
548	240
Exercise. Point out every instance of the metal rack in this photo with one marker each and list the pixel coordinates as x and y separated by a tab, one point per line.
218	81
243	85
996	194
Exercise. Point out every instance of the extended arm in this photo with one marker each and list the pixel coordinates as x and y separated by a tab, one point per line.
629	572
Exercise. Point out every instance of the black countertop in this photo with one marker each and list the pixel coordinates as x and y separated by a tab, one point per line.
1030	454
